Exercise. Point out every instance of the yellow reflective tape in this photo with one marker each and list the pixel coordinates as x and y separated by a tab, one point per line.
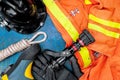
5	77
104	22
64	21
85	56
104	31
88	2
28	73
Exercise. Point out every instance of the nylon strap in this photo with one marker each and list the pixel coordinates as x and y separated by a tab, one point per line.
66	23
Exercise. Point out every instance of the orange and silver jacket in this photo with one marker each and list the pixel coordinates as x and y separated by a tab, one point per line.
101	59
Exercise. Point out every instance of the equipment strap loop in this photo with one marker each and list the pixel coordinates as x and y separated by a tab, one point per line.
35	36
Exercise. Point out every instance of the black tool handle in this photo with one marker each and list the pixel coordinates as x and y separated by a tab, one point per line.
84	39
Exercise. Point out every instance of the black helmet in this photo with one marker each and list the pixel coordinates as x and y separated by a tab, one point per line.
24	16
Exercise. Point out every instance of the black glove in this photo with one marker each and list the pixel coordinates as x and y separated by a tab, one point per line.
45	67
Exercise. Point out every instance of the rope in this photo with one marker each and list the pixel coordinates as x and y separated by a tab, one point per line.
21	45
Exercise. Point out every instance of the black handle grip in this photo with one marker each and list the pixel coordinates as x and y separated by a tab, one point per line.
86	37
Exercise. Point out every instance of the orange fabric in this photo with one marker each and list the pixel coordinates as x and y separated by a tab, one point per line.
79	59
107	10
104	68
79	21
103	43
107	66
115	63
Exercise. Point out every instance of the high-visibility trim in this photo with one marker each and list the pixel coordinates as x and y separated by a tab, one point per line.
61	29
88	2
68	26
104	31
85	56
5	77
104	22
64	21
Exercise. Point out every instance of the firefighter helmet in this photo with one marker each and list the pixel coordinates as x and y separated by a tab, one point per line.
24	16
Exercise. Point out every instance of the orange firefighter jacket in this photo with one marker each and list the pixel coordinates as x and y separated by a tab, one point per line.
101	59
